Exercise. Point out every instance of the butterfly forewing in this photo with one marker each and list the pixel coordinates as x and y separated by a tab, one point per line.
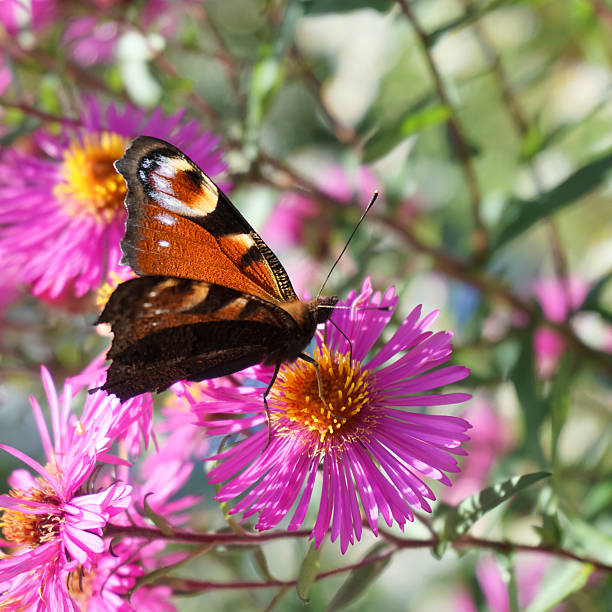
180	224
212	298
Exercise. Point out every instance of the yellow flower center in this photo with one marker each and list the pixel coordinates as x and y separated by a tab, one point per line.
345	389
90	185
31	529
106	289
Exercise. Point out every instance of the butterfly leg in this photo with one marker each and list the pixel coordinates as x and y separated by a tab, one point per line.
265	399
309	359
350	344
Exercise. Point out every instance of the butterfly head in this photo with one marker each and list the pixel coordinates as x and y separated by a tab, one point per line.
323	307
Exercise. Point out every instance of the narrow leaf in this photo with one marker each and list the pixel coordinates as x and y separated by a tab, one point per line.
262	563
533	405
314	7
156	575
559	402
459	519
391	135
360	579
558	585
520	215
308	572
158	520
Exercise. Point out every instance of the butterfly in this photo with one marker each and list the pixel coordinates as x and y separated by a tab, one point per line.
211	298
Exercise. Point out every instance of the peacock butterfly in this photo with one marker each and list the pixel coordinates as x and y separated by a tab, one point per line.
211	298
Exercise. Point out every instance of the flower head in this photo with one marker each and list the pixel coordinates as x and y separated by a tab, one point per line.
360	437
70	199
53	522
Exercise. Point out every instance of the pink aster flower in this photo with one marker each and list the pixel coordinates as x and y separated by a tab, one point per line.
62	220
53	522
92	39
285	226
129	422
363	440
108	585
558	300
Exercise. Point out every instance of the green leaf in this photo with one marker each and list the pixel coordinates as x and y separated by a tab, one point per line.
560	584
262	563
360	579
548	506
266	78
391	135
471	14
520	215
559	403
459	519
308	572
158	520
157	575
312	7
533	404
593	299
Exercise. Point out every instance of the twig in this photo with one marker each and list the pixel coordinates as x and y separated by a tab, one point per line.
500	546
480	241
344	133
522	128
193	586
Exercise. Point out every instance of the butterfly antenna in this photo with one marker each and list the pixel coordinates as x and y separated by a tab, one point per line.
365	212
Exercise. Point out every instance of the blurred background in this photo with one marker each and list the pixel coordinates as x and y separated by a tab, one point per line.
486	127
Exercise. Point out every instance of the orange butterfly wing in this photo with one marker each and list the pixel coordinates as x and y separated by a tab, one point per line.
181	224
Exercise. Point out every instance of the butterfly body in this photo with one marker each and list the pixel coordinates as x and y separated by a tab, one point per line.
211	299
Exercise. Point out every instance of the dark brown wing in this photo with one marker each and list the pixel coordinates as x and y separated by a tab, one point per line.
169	329
180	224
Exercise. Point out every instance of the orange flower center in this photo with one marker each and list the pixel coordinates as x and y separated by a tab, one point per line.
31	529
345	390
90	185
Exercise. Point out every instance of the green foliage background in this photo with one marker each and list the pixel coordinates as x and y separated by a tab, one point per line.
488	125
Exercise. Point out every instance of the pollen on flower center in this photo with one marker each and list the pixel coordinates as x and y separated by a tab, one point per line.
345	390
90	185
29	529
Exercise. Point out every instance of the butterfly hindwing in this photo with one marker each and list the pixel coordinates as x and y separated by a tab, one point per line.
181	224
168	329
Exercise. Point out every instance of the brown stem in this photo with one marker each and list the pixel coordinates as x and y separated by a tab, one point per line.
233	539
504	547
189	537
344	133
193	586
522	128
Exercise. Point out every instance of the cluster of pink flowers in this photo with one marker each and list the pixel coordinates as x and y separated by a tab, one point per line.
369	454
